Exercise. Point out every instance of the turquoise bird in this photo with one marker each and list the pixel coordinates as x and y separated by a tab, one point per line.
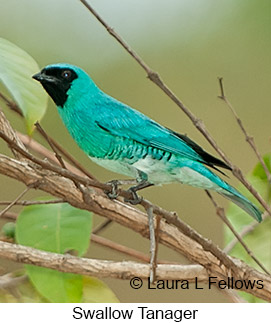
126	141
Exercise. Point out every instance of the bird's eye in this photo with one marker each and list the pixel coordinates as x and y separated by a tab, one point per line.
66	74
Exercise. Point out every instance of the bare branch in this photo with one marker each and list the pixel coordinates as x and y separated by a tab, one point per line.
122	270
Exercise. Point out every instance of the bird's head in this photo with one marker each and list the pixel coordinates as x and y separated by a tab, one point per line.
60	79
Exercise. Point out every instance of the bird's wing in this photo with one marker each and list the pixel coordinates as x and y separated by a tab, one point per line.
123	121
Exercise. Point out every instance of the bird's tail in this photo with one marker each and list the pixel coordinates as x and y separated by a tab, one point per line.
195	174
237	198
222	188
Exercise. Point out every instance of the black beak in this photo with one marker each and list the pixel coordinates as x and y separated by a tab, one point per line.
43	78
38	77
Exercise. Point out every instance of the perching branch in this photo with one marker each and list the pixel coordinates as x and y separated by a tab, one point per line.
130	217
49	155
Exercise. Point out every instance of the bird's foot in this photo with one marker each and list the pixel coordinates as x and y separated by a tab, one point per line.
113	194
115	183
136	199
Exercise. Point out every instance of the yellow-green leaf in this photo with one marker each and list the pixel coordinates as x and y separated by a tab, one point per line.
16	70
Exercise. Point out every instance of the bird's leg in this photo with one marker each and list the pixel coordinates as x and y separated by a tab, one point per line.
136	199
143	182
115	183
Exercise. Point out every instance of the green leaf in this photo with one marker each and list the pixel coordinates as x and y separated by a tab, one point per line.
96	291
57	228
16	70
259	240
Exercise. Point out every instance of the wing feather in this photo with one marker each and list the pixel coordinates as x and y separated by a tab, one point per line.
123	121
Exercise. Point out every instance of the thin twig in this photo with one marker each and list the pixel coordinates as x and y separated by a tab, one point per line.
15	201
248	138
26	202
155	78
220	212
46	137
157	230
152	243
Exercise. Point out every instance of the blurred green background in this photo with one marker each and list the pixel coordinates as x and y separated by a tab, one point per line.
190	44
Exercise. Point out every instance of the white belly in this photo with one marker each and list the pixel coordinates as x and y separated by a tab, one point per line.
158	172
